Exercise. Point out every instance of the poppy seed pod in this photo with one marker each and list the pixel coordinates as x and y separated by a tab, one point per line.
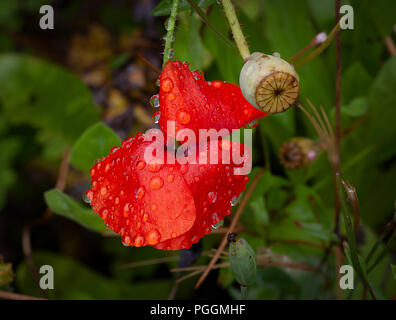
269	83
298	153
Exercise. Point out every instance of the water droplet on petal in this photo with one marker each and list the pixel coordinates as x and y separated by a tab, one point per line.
235	200
155	165
127	241
140	192
218	225
183	168
154	101
183	116
152	237
212	196
126	210
156	183
140	165
166	85
170	178
105	212
253	124
103	191
87	197
156	116
139	240
171	97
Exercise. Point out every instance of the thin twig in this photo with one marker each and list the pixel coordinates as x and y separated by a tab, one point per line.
149	262
390	46
148	63
16	296
223	244
302	242
262	260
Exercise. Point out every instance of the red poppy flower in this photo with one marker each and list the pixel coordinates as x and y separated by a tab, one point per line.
168	206
191	102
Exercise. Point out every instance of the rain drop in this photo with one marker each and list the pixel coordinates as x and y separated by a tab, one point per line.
171	53
253	124
156	183
156	117
139	192
212	196
183	116
140	165
87	197
152	237
235	201
154	101
167	85
168	24
139	240
218	225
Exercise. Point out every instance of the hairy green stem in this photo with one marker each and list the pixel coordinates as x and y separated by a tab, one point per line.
170	27
236	29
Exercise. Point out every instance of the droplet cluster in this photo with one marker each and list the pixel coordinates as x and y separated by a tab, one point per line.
153	203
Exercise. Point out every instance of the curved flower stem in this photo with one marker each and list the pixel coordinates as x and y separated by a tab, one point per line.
170	27
319	49
236	29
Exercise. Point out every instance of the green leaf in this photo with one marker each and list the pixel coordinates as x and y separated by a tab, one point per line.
165	6
67	207
44	95
9	147
355	82
382	111
74	280
356	108
93	144
227	58
188	45
393	271
260	211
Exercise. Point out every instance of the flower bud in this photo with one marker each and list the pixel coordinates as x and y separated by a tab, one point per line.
298	152
269	83
243	262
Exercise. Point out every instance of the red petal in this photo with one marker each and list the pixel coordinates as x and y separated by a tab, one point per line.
144	203
213	187
190	101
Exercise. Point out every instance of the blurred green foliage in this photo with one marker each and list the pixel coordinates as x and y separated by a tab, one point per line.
287	209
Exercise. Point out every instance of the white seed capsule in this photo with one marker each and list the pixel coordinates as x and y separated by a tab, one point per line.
269	83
